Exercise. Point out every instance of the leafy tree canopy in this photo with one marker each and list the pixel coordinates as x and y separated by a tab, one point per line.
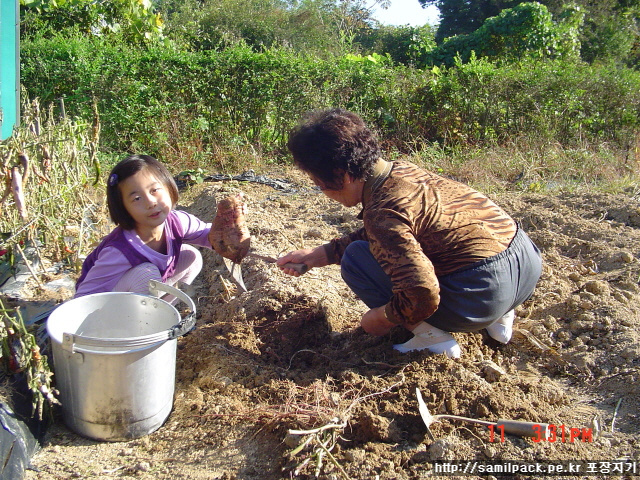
525	30
465	16
404	44
135	19
317	27
610	28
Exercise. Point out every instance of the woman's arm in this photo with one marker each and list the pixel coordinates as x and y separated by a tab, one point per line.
312	257
416	289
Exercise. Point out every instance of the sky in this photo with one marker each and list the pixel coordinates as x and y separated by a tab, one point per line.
403	12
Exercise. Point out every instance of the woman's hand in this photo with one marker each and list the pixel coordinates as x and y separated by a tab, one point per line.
312	257
375	322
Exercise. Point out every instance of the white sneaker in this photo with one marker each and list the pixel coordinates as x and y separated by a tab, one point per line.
428	337
502	329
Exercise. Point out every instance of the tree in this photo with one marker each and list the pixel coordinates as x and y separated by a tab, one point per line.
465	16
610	29
406	45
135	19
320	27
525	30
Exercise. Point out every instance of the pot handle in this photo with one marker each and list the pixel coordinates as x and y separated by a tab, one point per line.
188	323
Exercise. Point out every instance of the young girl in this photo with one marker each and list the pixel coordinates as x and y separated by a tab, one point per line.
151	241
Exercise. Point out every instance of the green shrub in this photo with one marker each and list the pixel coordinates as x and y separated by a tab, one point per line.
405	45
195	107
525	30
556	100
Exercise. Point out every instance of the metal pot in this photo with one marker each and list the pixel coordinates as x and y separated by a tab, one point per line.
114	357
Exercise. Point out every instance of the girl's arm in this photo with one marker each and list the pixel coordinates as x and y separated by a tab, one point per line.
195	230
109	267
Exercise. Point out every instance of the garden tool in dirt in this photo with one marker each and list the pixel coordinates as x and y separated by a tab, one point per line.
236	271
513	427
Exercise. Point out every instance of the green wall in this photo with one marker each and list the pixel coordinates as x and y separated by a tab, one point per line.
9	66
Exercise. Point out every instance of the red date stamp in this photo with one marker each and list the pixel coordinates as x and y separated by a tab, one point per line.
547	433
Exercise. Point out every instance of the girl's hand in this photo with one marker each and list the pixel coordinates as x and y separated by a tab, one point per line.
312	257
375	322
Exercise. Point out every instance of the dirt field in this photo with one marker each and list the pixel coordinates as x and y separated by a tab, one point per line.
289	355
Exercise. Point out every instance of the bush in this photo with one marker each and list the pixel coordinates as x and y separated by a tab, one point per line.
560	101
525	30
193	107
405	45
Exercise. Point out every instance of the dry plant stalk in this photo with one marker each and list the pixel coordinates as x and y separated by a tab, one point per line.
317	443
18	193
20	353
322	440
7	188
311	405
48	169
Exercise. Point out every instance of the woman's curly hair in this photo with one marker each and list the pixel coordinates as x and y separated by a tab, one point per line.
329	143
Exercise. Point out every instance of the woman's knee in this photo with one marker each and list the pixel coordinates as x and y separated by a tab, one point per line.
354	256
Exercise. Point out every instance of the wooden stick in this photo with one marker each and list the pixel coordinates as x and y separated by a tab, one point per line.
26	262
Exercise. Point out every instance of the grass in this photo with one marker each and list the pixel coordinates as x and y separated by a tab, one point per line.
527	165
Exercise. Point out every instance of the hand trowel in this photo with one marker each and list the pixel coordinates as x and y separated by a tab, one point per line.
236	271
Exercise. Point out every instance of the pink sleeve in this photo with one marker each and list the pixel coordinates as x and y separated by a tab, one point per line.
110	265
195	230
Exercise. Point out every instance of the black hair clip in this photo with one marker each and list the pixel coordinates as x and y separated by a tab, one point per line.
113	179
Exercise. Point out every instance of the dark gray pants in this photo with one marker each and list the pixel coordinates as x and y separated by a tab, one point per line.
471	298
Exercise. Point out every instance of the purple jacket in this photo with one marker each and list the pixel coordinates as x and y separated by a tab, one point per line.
122	250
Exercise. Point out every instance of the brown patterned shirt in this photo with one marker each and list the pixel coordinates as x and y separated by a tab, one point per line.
420	226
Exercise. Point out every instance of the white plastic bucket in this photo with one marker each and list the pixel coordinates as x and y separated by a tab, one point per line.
114	357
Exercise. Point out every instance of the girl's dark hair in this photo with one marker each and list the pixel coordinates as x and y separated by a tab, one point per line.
329	143
123	170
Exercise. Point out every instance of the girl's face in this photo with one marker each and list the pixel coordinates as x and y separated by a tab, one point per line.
147	201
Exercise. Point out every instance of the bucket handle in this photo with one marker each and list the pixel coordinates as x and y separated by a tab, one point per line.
188	323
74	343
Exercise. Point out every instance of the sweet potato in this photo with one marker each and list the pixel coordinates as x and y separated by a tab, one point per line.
7	190
23	158
229	235
18	193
